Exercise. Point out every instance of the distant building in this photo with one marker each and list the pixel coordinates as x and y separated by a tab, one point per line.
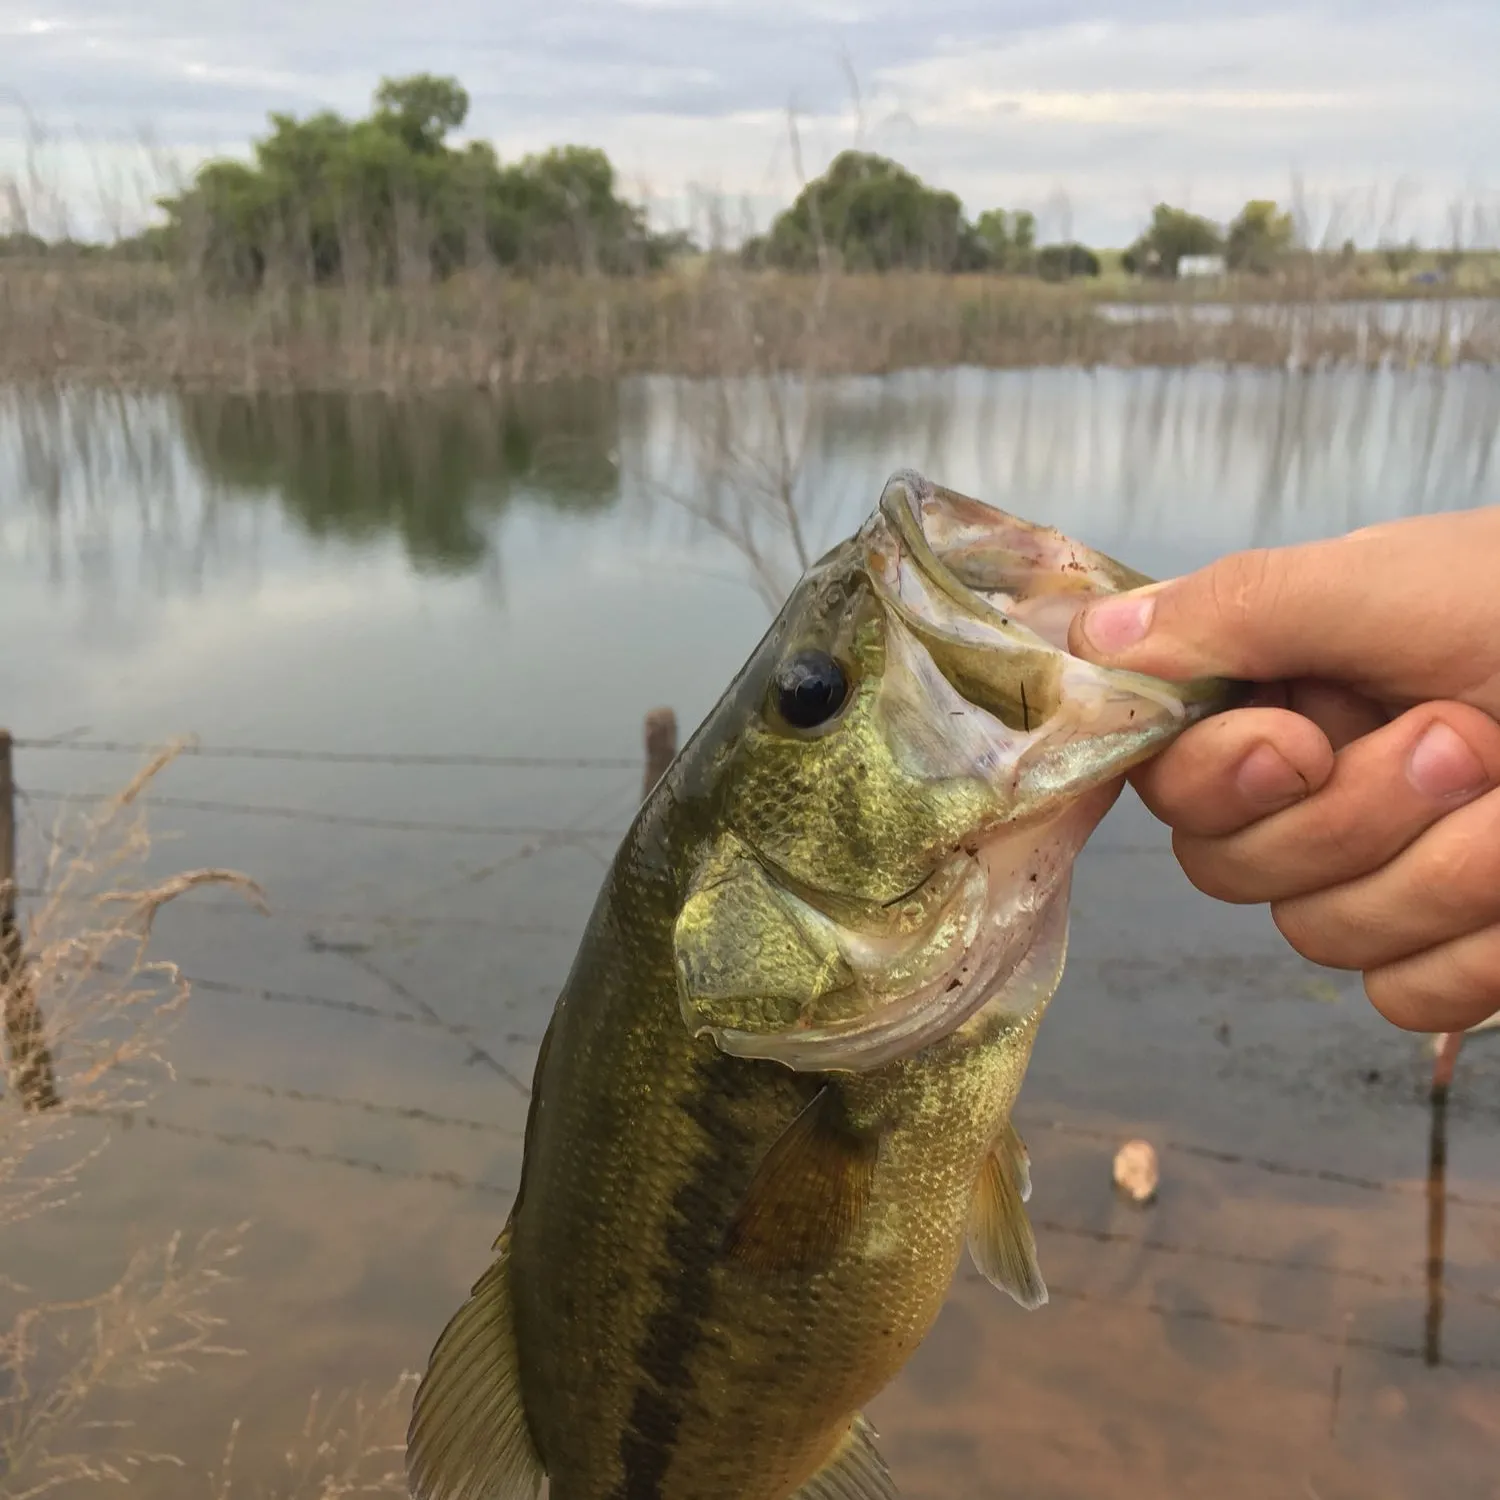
1200	265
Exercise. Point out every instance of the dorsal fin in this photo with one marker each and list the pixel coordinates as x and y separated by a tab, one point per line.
468	1438
855	1472
1000	1238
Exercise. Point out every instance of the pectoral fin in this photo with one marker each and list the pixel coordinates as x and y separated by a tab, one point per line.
468	1438
1000	1238
1013	1150
809	1194
855	1472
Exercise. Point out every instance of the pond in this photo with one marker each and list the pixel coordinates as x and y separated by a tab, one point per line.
416	639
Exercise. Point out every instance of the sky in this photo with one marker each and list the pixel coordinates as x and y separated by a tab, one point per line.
1378	117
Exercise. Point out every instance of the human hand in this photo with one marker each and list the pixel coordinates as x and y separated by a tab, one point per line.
1358	794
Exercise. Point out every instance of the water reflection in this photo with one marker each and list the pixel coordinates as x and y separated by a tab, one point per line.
286	577
753	476
435	471
1167	466
1414	329
100	469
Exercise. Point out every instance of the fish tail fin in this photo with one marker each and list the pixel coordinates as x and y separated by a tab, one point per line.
468	1438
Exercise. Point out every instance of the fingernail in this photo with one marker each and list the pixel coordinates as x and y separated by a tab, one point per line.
1441	765
1268	778
1115	625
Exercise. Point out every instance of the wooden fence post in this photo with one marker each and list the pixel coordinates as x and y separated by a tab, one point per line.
30	1063
661	745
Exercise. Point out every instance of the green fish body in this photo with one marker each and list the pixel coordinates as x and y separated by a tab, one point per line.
773	1102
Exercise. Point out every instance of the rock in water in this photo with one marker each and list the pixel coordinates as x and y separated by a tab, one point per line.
1137	1174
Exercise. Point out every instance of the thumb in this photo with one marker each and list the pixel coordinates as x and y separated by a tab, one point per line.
1260	616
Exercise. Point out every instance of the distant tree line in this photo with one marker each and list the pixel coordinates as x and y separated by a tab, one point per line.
868	213
388	199
1258	237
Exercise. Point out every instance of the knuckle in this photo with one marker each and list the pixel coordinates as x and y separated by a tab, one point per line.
1476	969
1312	934
1401	1003
1455	864
1447	989
1211	870
1453	867
1345	835
1335	851
1241	590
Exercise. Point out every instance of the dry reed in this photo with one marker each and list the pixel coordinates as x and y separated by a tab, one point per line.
342	1449
146	326
98	1011
96	1006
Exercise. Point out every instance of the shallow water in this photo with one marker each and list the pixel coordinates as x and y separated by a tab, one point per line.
509	590
1414	328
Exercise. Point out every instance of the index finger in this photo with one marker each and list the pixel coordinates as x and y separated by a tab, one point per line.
1233	769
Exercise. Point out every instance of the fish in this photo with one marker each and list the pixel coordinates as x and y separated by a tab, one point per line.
772	1106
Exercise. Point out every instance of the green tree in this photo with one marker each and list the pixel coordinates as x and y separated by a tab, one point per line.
1172	234
1258	237
1063	262
561	208
1400	258
421	109
870	214
387	198
1009	239
22	242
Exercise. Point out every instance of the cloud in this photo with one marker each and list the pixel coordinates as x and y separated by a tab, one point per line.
1104	107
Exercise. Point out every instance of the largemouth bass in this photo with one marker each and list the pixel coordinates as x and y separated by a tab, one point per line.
773	1102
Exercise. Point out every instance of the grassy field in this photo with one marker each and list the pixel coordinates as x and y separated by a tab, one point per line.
100	321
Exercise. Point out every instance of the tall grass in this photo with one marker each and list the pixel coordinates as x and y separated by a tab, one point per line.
152	326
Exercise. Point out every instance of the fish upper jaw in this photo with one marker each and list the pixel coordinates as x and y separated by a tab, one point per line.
981	601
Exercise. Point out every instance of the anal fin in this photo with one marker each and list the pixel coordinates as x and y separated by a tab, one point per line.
855	1472
1001	1242
468	1436
809	1194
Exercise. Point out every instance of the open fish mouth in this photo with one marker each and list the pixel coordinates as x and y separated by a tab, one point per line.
981	685
991	598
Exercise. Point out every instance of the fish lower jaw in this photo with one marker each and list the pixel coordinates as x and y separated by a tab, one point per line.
1010	964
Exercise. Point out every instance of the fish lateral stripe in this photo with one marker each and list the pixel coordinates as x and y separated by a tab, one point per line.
690	1250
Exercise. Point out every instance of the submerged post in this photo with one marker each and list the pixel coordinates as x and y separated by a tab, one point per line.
10	932
661	745
29	1062
1437	1191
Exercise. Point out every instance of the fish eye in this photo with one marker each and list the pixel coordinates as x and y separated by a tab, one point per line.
810	689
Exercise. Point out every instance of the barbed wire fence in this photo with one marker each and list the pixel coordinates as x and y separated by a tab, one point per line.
26	1035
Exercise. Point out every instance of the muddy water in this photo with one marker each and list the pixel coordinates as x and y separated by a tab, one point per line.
446	620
